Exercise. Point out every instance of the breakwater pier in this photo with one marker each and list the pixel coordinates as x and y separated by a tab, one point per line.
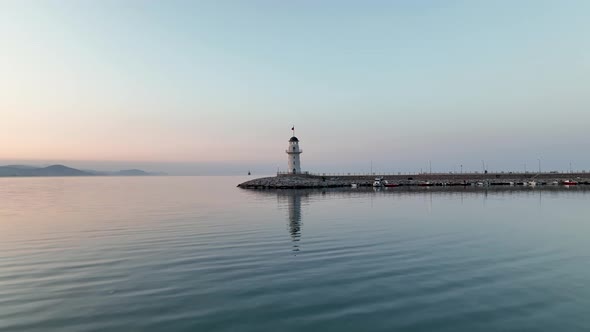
306	180
294	178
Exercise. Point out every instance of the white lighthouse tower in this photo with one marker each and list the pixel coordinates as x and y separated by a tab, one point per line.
293	153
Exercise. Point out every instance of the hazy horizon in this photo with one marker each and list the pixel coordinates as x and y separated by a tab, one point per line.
200	88
259	169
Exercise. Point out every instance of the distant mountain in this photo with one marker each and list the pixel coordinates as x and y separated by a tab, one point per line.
22	166
54	170
132	172
61	170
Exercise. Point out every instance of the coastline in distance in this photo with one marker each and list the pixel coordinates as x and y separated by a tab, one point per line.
62	170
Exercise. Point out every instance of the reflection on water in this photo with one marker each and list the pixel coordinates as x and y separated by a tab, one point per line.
293	201
198	254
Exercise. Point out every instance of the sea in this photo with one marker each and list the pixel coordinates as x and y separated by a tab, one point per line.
200	254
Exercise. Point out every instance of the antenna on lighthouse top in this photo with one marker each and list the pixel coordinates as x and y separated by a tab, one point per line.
293	129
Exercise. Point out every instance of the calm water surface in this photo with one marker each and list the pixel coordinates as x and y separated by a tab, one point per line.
198	254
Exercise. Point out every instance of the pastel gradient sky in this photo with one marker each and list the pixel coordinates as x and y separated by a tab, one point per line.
214	86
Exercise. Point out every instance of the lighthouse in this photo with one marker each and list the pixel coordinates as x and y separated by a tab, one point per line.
293	152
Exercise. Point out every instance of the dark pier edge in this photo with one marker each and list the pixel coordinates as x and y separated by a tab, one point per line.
297	181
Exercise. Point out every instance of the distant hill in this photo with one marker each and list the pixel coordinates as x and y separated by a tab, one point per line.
132	172
22	166
61	170
54	170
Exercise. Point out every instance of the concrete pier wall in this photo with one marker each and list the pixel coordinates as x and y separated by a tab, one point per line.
319	181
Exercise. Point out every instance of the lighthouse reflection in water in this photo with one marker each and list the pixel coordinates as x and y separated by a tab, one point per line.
292	200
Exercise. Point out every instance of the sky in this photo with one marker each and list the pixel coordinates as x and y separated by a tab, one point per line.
214	87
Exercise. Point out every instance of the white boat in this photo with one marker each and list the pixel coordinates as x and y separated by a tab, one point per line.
378	182
532	183
354	185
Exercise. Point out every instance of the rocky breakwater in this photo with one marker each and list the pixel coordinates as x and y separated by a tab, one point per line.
297	181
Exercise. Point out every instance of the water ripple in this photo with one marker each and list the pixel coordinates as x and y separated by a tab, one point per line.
186	254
